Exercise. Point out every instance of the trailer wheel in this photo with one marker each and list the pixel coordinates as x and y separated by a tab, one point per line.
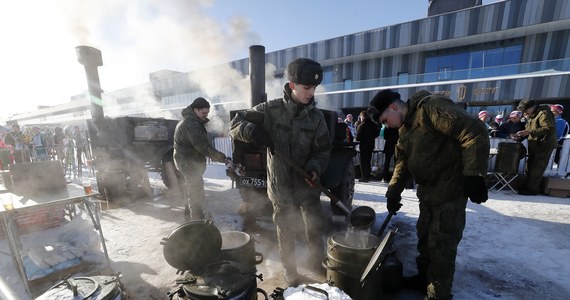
345	190
168	170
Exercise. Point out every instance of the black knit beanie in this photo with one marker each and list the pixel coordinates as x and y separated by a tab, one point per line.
200	103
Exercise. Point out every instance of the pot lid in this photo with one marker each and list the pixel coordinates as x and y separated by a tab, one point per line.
192	246
95	287
378	256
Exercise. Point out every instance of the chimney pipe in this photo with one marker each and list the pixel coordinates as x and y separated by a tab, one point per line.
257	74
91	58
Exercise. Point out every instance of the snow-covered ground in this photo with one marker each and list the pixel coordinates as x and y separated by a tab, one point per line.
514	247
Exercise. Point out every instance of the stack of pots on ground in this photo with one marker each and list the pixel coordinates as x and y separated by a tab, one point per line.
345	265
221	265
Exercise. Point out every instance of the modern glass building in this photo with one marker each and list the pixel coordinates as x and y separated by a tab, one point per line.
485	56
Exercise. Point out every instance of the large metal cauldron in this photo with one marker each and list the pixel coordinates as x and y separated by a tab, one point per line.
346	263
221	265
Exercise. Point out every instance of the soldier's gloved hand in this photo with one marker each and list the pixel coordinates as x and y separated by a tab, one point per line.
262	138
393	204
228	162
218	156
475	189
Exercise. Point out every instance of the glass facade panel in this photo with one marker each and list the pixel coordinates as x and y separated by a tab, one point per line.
403	78
327	75
475	64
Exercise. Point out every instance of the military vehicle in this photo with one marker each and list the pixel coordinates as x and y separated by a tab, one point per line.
126	148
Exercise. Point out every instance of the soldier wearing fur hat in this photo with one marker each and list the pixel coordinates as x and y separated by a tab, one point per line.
294	127
448	171
191	147
540	130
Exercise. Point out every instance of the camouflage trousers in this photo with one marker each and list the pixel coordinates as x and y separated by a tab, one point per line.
194	194
439	229
538	157
286	218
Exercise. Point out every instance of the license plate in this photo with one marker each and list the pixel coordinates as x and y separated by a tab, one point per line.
253	182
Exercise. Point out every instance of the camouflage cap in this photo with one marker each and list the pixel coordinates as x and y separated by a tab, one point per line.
305	71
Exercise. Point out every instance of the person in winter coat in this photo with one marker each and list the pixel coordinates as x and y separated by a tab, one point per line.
366	135
17	141
509	129
445	150
191	146
292	127
562	128
391	138
540	130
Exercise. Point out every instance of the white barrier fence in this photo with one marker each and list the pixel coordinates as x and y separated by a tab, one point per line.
224	144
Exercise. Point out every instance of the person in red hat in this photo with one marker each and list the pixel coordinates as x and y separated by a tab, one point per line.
509	129
561	128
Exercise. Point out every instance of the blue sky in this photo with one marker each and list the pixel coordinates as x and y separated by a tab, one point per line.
139	37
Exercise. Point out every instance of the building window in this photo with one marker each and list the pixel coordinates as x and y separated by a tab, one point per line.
474	64
347	84
444	73
403	78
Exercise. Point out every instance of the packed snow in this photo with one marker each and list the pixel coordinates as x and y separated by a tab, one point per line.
514	247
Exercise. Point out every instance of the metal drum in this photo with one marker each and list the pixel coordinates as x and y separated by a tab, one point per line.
346	263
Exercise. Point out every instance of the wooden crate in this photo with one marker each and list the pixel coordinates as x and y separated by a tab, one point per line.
37	219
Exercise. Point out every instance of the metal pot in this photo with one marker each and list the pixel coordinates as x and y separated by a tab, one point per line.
239	247
345	264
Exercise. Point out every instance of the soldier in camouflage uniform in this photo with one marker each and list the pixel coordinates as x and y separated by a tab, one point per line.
294	127
191	146
541	132
450	169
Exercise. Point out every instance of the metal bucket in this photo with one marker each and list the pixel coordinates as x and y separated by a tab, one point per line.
346	263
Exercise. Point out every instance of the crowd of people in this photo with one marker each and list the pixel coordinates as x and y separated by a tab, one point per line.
69	144
542	126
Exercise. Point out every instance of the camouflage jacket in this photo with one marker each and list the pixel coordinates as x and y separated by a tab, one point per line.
542	127
191	144
439	144
298	131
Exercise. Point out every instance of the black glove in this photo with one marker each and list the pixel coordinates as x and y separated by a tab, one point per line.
261	137
393	204
476	189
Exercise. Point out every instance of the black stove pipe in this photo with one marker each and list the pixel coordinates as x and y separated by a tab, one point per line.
257	74
91	58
